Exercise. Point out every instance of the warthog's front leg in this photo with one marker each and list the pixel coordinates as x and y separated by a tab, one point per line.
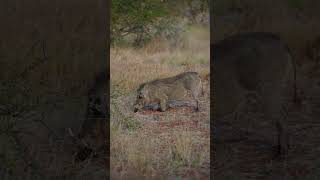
163	103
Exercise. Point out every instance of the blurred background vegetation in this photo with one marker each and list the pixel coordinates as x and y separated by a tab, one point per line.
137	22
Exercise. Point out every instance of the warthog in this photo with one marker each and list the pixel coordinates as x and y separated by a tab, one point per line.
161	91
258	63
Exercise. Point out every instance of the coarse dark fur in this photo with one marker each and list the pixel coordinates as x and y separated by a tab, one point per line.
161	91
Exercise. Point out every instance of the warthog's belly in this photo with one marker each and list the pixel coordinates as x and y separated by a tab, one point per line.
171	103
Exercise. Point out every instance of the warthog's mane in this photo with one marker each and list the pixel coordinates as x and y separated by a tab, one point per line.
167	81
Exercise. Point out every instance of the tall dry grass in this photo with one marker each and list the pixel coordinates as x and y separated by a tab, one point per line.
130	66
152	150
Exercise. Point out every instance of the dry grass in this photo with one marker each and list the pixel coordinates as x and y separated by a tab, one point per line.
165	145
130	66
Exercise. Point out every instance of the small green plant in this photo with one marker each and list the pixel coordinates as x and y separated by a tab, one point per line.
130	124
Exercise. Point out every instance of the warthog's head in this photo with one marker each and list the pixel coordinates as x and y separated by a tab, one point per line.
142	98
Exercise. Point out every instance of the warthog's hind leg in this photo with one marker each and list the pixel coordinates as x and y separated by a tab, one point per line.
195	97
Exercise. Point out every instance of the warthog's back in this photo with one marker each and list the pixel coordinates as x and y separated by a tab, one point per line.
180	78
175	85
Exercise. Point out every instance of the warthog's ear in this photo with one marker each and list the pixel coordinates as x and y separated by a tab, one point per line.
145	92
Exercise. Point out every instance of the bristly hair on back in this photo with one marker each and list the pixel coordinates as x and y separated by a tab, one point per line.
141	86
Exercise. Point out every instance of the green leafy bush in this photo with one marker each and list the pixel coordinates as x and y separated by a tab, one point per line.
135	17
